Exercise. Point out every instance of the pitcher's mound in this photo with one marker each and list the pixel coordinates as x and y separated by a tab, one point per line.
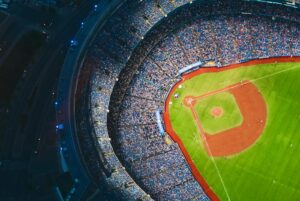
216	112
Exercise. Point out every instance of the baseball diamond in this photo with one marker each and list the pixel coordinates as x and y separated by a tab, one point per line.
227	123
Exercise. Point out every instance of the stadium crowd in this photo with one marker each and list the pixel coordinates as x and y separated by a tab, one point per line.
138	66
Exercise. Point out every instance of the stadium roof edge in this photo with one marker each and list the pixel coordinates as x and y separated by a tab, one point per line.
289	3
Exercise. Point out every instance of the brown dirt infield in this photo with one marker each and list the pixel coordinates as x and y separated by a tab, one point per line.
235	140
208	191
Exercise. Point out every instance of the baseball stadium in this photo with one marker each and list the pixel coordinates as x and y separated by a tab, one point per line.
189	100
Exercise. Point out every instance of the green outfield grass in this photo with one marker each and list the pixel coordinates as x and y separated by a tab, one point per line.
230	118
269	169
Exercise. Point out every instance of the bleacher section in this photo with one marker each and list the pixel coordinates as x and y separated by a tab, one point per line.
133	62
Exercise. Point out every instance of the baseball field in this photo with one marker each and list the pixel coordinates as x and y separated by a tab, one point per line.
239	129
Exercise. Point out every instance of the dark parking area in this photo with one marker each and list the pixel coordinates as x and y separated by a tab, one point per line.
2	16
17	62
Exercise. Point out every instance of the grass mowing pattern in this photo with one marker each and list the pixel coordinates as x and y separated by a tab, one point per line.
268	170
